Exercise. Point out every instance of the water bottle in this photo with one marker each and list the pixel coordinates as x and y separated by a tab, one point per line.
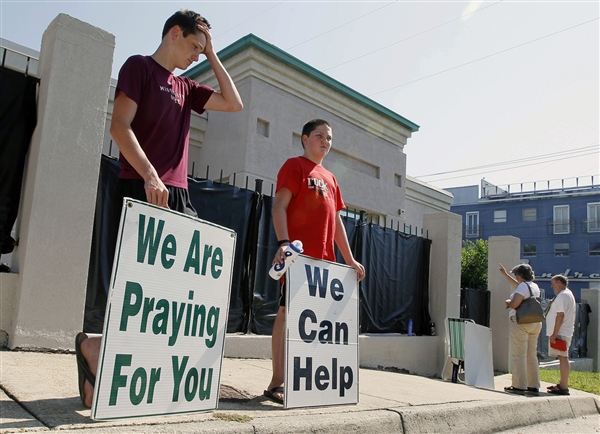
432	328
291	252
410	327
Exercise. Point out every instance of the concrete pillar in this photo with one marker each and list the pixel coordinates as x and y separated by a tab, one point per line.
505	250
445	232
57	209
592	295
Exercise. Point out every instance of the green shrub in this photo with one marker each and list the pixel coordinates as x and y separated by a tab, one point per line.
474	264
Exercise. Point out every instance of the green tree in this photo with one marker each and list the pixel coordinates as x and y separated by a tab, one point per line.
474	264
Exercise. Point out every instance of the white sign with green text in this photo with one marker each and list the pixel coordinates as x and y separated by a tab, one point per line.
321	362
166	317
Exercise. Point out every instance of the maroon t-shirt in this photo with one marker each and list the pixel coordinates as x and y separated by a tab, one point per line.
162	121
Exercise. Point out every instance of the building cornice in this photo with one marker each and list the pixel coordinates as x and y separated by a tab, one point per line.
425	194
252	41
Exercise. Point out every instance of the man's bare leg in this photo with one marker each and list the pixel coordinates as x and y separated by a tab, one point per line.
90	348
278	351
565	370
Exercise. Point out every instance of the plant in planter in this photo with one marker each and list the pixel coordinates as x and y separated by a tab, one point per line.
474	296
474	264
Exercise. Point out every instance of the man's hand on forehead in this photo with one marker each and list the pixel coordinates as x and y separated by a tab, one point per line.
201	25
204	28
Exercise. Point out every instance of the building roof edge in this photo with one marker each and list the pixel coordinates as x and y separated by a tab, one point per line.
254	41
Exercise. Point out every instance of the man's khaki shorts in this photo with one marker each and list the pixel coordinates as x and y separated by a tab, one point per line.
552	352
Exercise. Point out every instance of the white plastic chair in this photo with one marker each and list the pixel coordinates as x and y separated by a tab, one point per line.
455	349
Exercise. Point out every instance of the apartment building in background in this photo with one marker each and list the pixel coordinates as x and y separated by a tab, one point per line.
557	221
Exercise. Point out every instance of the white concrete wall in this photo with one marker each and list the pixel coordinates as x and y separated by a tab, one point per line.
503	250
59	197
419	355
227	139
445	232
390	350
8	289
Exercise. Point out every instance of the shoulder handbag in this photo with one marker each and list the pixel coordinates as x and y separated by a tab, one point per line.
530	310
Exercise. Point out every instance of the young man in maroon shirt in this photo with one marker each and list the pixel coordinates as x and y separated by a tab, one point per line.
150	125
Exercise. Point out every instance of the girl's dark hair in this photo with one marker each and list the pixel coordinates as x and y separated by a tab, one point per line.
310	126
187	20
525	271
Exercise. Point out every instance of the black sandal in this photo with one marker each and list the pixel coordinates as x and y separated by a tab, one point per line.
516	390
557	390
271	394
83	370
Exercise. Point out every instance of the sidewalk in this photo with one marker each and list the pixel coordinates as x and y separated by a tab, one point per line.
39	393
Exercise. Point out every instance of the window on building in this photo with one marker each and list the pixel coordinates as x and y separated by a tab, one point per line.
561	219
529	250
593	213
500	216
262	127
472	228
561	249
594	249
529	214
353	214
368	216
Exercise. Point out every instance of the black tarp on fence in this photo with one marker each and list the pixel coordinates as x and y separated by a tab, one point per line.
265	296
475	305
394	291
18	118
230	207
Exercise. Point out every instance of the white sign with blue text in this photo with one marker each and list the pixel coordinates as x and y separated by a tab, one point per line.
166	317
321	364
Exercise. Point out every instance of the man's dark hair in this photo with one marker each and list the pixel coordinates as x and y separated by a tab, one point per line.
525	271
187	20
562	279
310	126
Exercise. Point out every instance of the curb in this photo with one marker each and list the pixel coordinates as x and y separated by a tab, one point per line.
463	418
475	418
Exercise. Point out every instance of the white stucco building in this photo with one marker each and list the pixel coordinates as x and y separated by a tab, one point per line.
280	93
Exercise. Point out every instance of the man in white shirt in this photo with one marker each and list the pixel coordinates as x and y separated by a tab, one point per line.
560	325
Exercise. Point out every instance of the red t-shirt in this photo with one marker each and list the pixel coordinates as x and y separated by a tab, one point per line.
162	121
316	200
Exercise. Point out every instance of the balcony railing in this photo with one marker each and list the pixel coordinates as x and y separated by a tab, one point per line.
473	231
561	227
579	184
590	225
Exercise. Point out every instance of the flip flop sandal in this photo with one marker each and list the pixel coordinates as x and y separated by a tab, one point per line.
557	390
271	394
511	389
532	391
83	370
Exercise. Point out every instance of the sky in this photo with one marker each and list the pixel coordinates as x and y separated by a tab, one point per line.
502	90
